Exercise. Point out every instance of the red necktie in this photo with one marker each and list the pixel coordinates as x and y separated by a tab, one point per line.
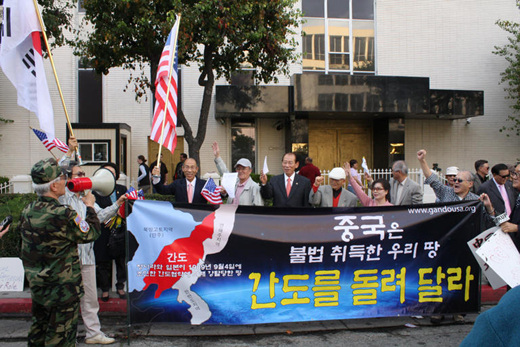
288	187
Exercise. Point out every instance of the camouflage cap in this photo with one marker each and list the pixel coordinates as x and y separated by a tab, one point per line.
45	171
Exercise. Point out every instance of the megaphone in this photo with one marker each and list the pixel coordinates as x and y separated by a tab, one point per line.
103	182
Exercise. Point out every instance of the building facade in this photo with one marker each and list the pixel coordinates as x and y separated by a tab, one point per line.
377	79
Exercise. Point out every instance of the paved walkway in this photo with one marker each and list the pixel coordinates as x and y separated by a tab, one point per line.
15	314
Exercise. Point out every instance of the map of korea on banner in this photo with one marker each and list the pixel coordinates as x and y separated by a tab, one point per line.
249	265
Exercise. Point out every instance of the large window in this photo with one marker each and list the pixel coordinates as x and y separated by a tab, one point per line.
338	35
90	94
94	151
243	145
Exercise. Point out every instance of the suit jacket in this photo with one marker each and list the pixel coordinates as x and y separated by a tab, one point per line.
515	219
180	190
490	188
299	196
411	195
324	197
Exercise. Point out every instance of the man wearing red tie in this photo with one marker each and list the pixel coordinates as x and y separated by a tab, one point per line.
500	190
288	189
185	190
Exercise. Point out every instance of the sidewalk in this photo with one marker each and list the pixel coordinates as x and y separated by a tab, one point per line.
15	313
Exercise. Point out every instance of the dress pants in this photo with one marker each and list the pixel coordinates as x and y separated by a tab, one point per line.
89	302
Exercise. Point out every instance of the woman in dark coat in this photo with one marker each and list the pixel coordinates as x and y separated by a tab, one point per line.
101	250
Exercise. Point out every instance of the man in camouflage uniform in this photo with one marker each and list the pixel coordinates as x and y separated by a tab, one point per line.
50	234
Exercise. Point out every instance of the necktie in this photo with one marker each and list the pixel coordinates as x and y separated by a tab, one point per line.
190	193
288	187
505	198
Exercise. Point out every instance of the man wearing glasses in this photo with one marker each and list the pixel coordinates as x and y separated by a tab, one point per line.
89	303
500	190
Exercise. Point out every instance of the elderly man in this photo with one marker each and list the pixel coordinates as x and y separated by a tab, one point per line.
500	189
287	189
50	236
89	303
187	189
451	173
404	191
247	191
333	195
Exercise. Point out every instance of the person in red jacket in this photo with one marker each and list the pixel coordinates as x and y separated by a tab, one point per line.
309	170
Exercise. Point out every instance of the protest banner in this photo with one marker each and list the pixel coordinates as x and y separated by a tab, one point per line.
251	265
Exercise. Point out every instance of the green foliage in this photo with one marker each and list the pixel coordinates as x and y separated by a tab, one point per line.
511	75
13	204
220	36
3	180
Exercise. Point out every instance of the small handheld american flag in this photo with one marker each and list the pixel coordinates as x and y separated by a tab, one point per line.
211	192
56	143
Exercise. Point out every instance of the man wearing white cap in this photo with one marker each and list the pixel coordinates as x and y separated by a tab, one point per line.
247	191
333	195
451	173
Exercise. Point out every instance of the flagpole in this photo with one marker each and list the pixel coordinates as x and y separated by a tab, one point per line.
178	20
55	73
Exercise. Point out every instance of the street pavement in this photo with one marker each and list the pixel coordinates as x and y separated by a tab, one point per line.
392	331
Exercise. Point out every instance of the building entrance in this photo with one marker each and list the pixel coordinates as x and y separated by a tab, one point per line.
333	142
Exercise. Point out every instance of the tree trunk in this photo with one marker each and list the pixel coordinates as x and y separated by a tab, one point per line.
206	80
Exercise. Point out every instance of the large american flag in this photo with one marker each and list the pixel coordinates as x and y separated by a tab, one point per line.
56	143
211	192
169	135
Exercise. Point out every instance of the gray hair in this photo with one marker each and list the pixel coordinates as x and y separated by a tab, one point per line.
44	188
400	165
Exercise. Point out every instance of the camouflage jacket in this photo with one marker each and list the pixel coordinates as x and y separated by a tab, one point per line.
50	236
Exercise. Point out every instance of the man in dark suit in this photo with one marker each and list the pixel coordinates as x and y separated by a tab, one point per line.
288	189
185	190
500	190
511	226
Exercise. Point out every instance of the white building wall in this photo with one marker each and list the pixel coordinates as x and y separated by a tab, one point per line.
451	42
448	41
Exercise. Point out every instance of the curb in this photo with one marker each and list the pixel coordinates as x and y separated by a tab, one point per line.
488	296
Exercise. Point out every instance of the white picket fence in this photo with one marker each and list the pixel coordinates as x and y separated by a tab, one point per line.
6	188
414	174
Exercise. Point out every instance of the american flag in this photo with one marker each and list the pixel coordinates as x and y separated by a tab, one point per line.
211	192
169	135
50	144
133	194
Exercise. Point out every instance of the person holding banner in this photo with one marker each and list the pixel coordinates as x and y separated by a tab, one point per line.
247	191
333	195
380	189
89	303
186	190
287	189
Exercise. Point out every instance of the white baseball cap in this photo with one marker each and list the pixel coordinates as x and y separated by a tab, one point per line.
244	162
337	173
452	170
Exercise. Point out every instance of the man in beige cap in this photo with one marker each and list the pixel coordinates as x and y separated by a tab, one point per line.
247	191
451	173
333	195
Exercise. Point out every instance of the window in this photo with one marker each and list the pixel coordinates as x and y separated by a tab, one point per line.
94	152
90	94
243	141
338	35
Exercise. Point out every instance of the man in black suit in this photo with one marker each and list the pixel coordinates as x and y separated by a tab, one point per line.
288	189
511	226
185	190
500	187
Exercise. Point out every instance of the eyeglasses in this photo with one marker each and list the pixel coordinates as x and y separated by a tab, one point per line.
514	174
505	176
458	180
79	174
